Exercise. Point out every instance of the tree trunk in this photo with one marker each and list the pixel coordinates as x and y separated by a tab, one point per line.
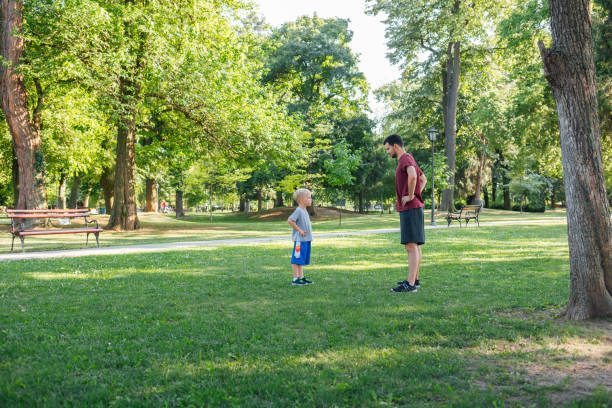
124	214
108	186
151	194
361	211
505	181
259	201
179	203
86	199
494	182
61	192
25	132
15	180
570	70
477	199
450	82
247	206
279	199
242	205
553	201
485	192
74	191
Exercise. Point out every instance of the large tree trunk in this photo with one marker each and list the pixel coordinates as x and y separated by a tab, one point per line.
151	194
74	191
25	132
570	70
179	203
108	186
450	83
124	215
61	192
485	192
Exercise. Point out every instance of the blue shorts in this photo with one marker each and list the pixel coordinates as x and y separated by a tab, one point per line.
303	256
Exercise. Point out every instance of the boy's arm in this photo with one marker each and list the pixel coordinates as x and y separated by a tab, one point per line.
295	226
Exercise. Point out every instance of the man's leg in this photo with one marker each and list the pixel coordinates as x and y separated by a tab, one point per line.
414	261
420	259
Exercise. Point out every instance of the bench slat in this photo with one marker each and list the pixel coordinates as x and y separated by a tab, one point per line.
61	231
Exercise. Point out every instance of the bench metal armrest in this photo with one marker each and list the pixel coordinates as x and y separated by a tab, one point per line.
91	222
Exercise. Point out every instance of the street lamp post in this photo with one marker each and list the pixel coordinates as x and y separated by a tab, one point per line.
432	136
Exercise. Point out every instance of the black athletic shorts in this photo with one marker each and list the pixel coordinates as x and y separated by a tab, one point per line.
412	226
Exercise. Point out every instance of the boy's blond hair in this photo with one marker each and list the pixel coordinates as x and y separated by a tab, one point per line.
300	192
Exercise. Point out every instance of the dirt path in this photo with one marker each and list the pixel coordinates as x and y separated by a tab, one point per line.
130	249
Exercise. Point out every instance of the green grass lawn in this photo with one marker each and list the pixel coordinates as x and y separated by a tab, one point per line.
222	326
162	228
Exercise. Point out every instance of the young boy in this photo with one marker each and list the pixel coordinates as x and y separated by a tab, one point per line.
302	236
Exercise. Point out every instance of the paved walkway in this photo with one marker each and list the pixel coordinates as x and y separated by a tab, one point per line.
130	249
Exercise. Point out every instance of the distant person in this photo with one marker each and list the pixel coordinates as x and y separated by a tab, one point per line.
409	184
302	236
164	206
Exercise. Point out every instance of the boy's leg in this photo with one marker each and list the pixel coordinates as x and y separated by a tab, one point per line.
301	271
414	261
296	271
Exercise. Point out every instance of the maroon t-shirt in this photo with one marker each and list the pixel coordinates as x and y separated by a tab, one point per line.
401	183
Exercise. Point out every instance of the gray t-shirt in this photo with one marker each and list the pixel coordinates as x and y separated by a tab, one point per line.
302	219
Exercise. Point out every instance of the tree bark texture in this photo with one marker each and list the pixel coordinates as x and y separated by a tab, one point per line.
24	131
151	194
569	68
74	192
15	179
124	214
450	83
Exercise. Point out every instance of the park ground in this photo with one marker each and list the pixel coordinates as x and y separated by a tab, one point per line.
222	326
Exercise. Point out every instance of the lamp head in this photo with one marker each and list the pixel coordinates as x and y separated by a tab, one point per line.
432	134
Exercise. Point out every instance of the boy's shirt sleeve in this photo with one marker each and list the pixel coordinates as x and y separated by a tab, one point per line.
295	216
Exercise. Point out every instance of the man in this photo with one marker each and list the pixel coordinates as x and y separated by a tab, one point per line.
409	184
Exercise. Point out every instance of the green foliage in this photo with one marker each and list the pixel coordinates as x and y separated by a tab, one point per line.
532	189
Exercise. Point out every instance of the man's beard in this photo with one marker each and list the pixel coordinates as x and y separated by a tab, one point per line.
394	155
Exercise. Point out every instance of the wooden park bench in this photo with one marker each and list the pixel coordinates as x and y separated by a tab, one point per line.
23	223
467	213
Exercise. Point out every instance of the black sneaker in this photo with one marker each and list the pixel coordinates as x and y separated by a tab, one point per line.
404	287
416	283
306	281
298	282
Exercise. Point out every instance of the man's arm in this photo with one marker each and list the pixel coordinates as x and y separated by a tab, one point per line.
412	178
423	181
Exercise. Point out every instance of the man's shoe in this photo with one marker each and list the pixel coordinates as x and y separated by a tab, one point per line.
416	283
306	281
298	282
404	287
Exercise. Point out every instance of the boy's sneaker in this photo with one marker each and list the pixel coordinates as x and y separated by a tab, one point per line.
298	281
404	287
306	281
416	283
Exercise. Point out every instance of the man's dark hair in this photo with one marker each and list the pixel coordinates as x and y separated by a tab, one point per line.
394	140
